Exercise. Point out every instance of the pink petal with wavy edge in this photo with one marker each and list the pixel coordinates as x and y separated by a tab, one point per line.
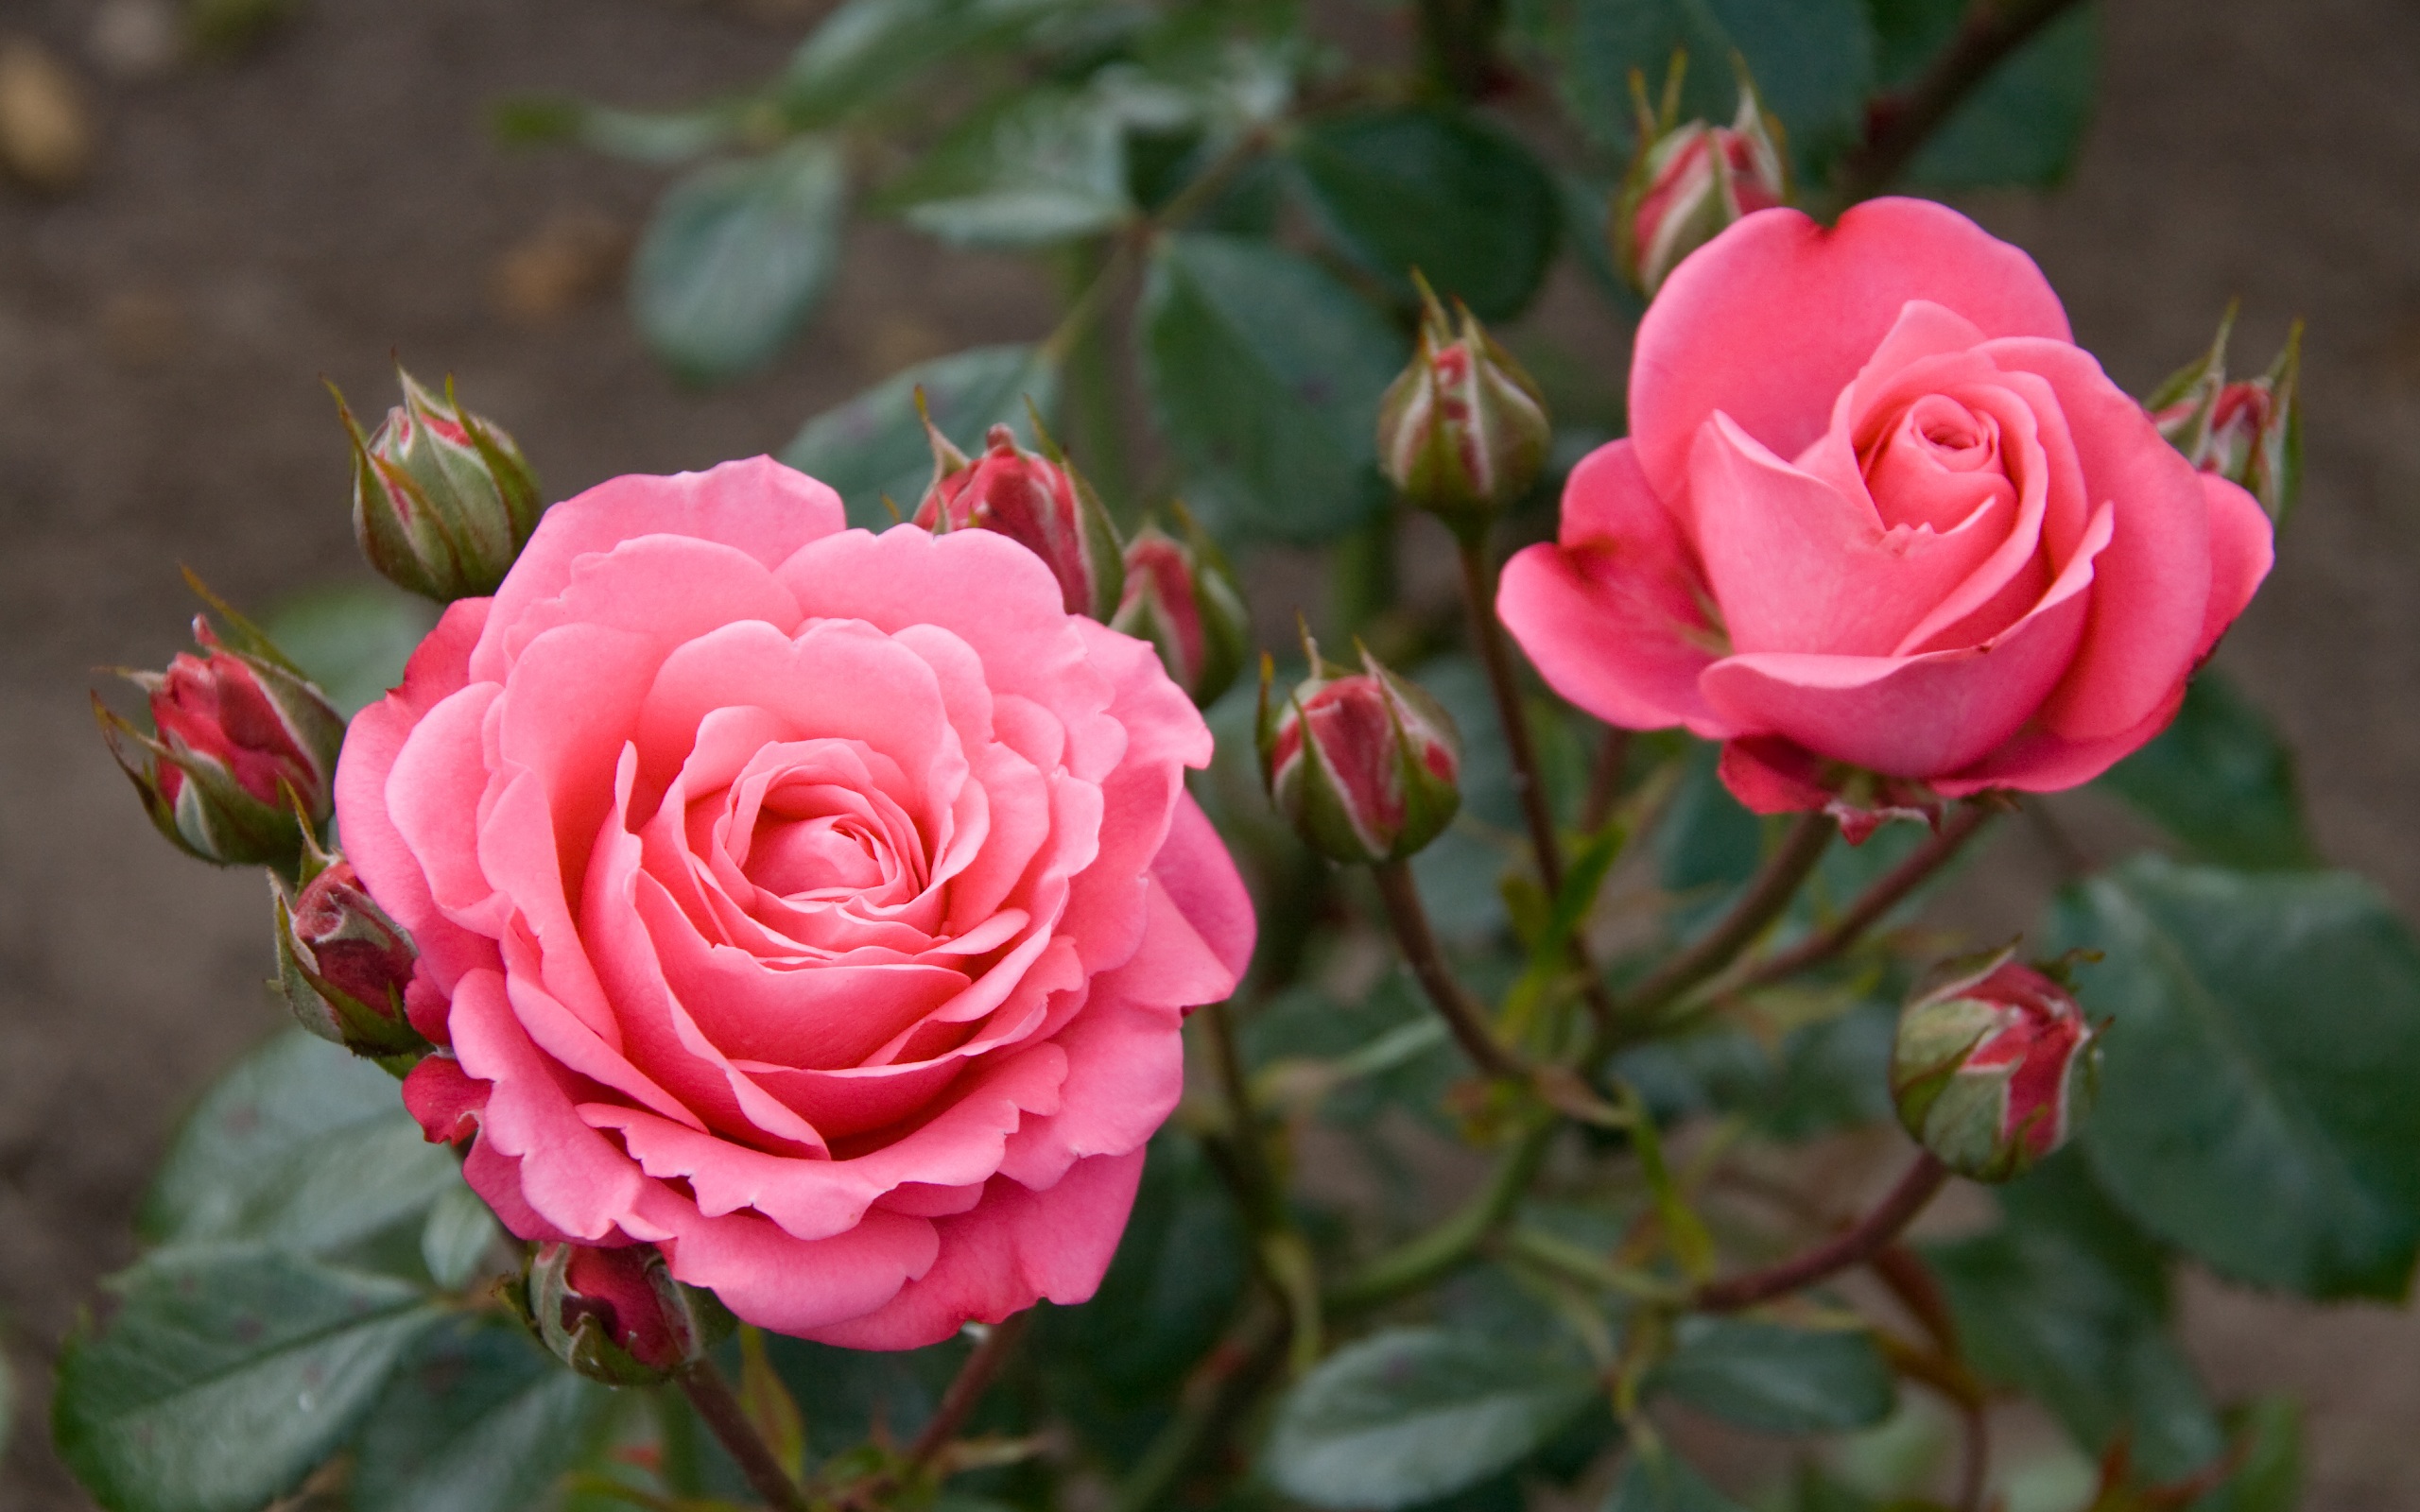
2035	761
758	506
1775	317
1013	1249
1918	716
433	795
2152	585
2242	549
1201	878
797	1286
1800	568
1614	616
667	588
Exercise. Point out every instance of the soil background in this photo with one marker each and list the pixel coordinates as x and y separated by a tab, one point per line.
250	225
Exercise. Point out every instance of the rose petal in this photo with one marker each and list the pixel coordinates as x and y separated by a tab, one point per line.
791	1285
2242	549
1614	615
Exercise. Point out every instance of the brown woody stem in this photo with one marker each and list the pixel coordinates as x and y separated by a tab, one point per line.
1878	900
966	1389
1768	894
1851	1246
1899	123
711	1395
1464	1014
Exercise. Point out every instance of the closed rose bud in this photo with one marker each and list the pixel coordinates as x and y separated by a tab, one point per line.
2248	431
1035	500
442	500
344	965
241	740
1462	432
618	1316
1364	765
1993	1067
1181	596
1689	181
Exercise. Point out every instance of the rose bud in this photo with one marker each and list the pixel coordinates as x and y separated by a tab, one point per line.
1364	765
1689	181
442	500
1993	1067
1036	500
618	1316
242	742
2249	432
344	965
1462	432
1181	597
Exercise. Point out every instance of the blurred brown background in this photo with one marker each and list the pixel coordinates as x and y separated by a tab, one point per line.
246	225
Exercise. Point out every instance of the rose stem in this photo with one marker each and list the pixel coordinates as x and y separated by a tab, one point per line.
1605	778
1897	123
1464	1015
1477	577
711	1395
1973	1455
1853	1246
1768	893
1219	1391
966	1389
1279	1254
1419	1261
1876	901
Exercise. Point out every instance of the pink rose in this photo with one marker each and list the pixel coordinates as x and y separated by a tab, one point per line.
820	906
1876	511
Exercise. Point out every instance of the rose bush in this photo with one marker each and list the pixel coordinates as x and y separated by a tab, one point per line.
820	906
1877	511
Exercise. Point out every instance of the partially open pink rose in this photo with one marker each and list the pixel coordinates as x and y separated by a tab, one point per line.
1877	511
820	906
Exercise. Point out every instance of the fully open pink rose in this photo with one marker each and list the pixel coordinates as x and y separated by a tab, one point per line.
819	905
1877	511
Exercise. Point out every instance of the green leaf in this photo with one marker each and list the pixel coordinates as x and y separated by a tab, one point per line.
865	48
1662	1482
302	1145
2068	1303
843	1393
1045	167
1266	374
226	1375
873	445
1774	1379
353	640
479	1420
2255	1099
2023	123
1409	1414
735	258
2221	779
2270	1478
1813	63
457	1236
1437	190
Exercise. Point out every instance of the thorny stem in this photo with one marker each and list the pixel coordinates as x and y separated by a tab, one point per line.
1769	892
711	1395
1878	900
1464	1014
1487	637
966	1390
1898	124
1851	1246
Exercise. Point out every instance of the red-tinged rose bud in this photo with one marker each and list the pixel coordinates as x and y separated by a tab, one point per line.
241	742
344	966
2248	431
1181	596
1036	499
1993	1066
618	1316
1689	181
442	500
1364	765
1462	432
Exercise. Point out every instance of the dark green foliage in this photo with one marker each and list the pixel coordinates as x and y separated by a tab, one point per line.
2221	780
